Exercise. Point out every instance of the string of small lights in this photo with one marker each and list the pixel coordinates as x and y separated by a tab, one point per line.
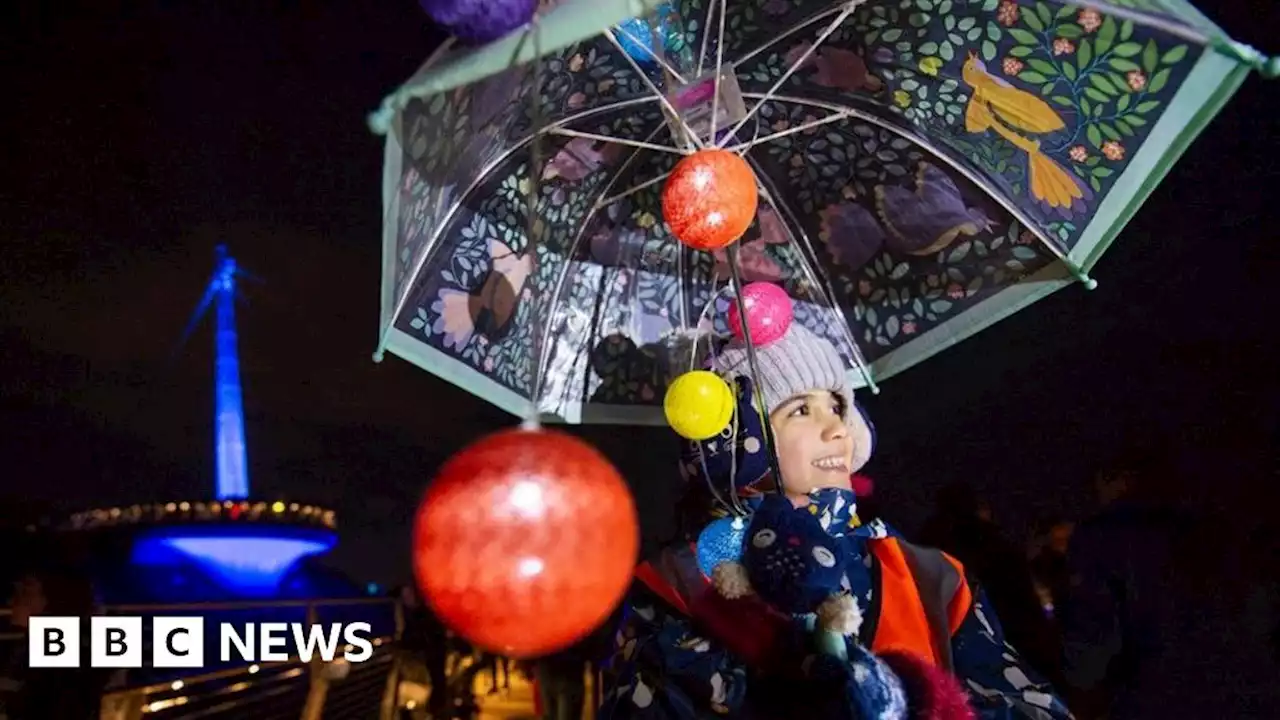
211	511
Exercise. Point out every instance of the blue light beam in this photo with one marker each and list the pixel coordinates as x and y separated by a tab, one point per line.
231	463
230	456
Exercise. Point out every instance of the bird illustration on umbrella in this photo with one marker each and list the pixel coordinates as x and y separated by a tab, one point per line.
928	218
852	234
997	105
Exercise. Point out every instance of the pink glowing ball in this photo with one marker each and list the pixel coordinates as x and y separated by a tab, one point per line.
768	313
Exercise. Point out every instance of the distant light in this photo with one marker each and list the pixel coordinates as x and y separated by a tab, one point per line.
177	685
253	669
372	588
249	565
277	507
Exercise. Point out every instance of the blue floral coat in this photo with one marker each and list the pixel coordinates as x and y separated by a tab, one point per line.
667	666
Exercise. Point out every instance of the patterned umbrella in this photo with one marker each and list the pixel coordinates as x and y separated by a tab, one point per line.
926	167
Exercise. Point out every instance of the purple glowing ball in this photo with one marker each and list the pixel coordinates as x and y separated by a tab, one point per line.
480	21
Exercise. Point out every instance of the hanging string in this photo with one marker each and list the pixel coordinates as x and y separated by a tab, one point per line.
532	420
770	445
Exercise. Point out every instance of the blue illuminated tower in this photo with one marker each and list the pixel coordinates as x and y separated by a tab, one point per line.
246	547
230	456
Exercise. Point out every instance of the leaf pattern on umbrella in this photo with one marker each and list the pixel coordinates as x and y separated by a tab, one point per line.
878	200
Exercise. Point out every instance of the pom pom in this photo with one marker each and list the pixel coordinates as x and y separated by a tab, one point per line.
840	614
932	693
730	580
480	21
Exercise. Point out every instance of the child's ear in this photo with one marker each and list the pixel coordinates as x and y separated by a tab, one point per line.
864	436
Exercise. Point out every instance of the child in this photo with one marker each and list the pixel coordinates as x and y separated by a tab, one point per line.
685	651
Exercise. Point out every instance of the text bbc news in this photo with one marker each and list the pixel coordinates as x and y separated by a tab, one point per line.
179	642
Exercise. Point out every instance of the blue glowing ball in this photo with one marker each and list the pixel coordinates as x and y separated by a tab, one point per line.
636	36
721	541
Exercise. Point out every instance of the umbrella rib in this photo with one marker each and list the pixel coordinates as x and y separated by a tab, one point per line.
844	13
702	52
666	104
632	191
544	352
656	56
814	278
837	116
799	26
428	245
618	141
1050	244
536	169
715	94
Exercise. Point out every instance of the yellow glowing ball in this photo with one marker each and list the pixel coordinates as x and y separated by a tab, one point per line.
698	405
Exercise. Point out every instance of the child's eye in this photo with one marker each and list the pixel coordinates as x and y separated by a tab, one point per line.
801	410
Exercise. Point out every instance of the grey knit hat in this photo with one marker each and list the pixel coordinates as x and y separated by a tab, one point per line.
797	363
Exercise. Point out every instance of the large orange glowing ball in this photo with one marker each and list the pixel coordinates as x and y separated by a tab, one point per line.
525	542
710	199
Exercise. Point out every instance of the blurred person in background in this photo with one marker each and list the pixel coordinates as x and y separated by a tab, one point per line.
1161	617
962	526
62	693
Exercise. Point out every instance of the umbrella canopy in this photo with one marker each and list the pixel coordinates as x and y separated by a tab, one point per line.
927	167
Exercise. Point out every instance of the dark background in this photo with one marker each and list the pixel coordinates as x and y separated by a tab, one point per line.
137	135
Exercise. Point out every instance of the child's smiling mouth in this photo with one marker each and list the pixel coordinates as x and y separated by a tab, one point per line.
833	463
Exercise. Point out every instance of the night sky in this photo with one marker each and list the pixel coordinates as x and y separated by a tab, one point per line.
139	135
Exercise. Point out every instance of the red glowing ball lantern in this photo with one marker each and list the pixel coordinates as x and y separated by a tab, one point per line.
525	542
710	199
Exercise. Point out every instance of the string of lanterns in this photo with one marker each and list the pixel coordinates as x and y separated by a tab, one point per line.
526	540
709	201
204	511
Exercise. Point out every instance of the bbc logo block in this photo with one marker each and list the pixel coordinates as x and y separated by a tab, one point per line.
177	642
113	642
116	642
53	641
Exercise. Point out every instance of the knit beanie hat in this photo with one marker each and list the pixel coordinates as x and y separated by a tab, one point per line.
796	363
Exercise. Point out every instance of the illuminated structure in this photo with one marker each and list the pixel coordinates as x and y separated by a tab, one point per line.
232	546
230	457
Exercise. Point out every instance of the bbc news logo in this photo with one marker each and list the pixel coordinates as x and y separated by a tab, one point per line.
179	642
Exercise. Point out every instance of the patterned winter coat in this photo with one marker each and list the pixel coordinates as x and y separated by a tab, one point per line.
683	652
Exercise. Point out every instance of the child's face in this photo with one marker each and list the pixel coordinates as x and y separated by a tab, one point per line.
814	447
